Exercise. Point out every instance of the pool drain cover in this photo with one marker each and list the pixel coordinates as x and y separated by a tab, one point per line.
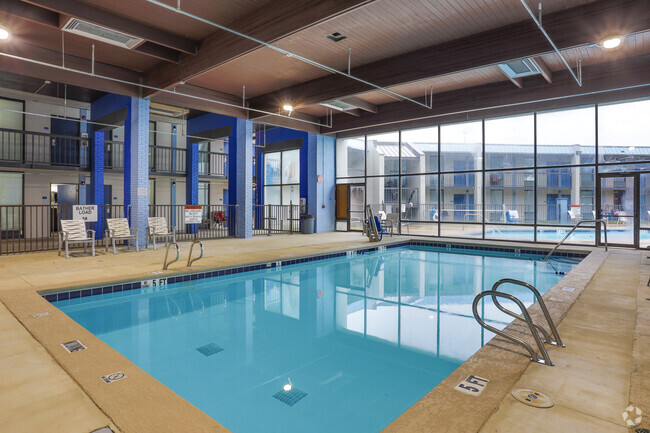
532	398
209	349
290	397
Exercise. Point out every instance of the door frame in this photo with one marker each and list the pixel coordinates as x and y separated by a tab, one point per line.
637	206
365	200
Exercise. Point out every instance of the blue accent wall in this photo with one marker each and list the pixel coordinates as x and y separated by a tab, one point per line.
97	179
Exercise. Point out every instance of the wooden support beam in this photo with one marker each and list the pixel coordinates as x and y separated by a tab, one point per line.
30	12
269	23
505	99
87	12
516	81
543	67
67	76
573	27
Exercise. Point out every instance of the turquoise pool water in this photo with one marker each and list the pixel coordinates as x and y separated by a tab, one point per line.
362	338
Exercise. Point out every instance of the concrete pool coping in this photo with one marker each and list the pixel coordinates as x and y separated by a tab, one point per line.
142	404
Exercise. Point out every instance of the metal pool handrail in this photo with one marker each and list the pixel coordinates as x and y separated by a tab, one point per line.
573	229
189	259
556	340
178	255
545	359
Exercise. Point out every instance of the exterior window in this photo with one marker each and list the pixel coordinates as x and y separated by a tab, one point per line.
282	177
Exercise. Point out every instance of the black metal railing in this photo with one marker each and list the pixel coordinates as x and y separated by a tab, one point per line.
167	160
213	164
31	228
275	219
39	149
219	221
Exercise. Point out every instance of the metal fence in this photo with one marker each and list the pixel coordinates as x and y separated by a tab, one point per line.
35	148
31	228
219	221
113	155
275	219
213	164
169	160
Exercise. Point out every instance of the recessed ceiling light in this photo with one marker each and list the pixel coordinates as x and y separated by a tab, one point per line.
611	43
4	34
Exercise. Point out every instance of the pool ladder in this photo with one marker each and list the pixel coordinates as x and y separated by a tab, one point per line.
178	255
534	328
189	259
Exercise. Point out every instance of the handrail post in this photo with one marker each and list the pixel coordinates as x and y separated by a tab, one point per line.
178	255
189	258
573	229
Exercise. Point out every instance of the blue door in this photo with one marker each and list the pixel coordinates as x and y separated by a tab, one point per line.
64	150
551	205
459	207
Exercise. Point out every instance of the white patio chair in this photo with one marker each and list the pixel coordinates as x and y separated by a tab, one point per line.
119	230
74	232
158	228
512	216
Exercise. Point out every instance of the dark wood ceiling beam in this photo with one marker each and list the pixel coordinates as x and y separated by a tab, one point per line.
577	26
159	51
67	76
516	81
543	67
29	12
107	19
505	97
269	23
293	122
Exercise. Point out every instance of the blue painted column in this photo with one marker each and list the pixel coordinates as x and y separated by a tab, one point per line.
326	190
192	179
97	180
137	181
241	178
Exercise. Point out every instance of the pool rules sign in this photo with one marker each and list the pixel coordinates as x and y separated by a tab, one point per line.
193	214
84	212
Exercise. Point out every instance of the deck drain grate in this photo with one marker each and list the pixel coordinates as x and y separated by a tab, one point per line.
290	397
641	430
73	346
532	398
209	349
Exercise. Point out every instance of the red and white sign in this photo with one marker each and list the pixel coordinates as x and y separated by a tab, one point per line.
193	214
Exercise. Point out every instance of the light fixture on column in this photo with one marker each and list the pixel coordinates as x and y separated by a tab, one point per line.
288	108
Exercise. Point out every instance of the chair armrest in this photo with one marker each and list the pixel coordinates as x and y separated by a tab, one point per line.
151	230
111	232
173	230
92	233
134	229
64	234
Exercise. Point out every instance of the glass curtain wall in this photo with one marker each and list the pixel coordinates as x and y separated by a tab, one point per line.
528	177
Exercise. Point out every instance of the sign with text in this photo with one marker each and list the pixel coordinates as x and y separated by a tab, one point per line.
193	214
473	385
84	212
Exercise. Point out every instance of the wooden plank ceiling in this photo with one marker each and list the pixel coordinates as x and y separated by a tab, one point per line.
406	45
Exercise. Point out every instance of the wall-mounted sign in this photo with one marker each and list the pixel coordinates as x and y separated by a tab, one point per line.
86	213
193	214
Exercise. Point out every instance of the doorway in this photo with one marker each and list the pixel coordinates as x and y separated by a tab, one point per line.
618	198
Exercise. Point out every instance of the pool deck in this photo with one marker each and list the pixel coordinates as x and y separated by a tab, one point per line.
606	328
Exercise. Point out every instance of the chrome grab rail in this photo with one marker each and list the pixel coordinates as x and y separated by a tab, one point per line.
189	259
556	340
373	230
178	255
573	229
545	359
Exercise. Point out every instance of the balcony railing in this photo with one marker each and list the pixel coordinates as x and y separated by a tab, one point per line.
167	160
213	164
39	149
113	155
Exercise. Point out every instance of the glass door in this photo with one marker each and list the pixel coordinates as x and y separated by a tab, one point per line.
357	206
619	207
644	210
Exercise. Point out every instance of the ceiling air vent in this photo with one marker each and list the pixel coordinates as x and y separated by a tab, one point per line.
336	37
520	68
339	105
99	33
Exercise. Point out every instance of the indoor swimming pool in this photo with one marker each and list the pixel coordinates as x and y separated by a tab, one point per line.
341	344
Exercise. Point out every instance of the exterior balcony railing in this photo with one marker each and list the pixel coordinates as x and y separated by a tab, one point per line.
36	149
